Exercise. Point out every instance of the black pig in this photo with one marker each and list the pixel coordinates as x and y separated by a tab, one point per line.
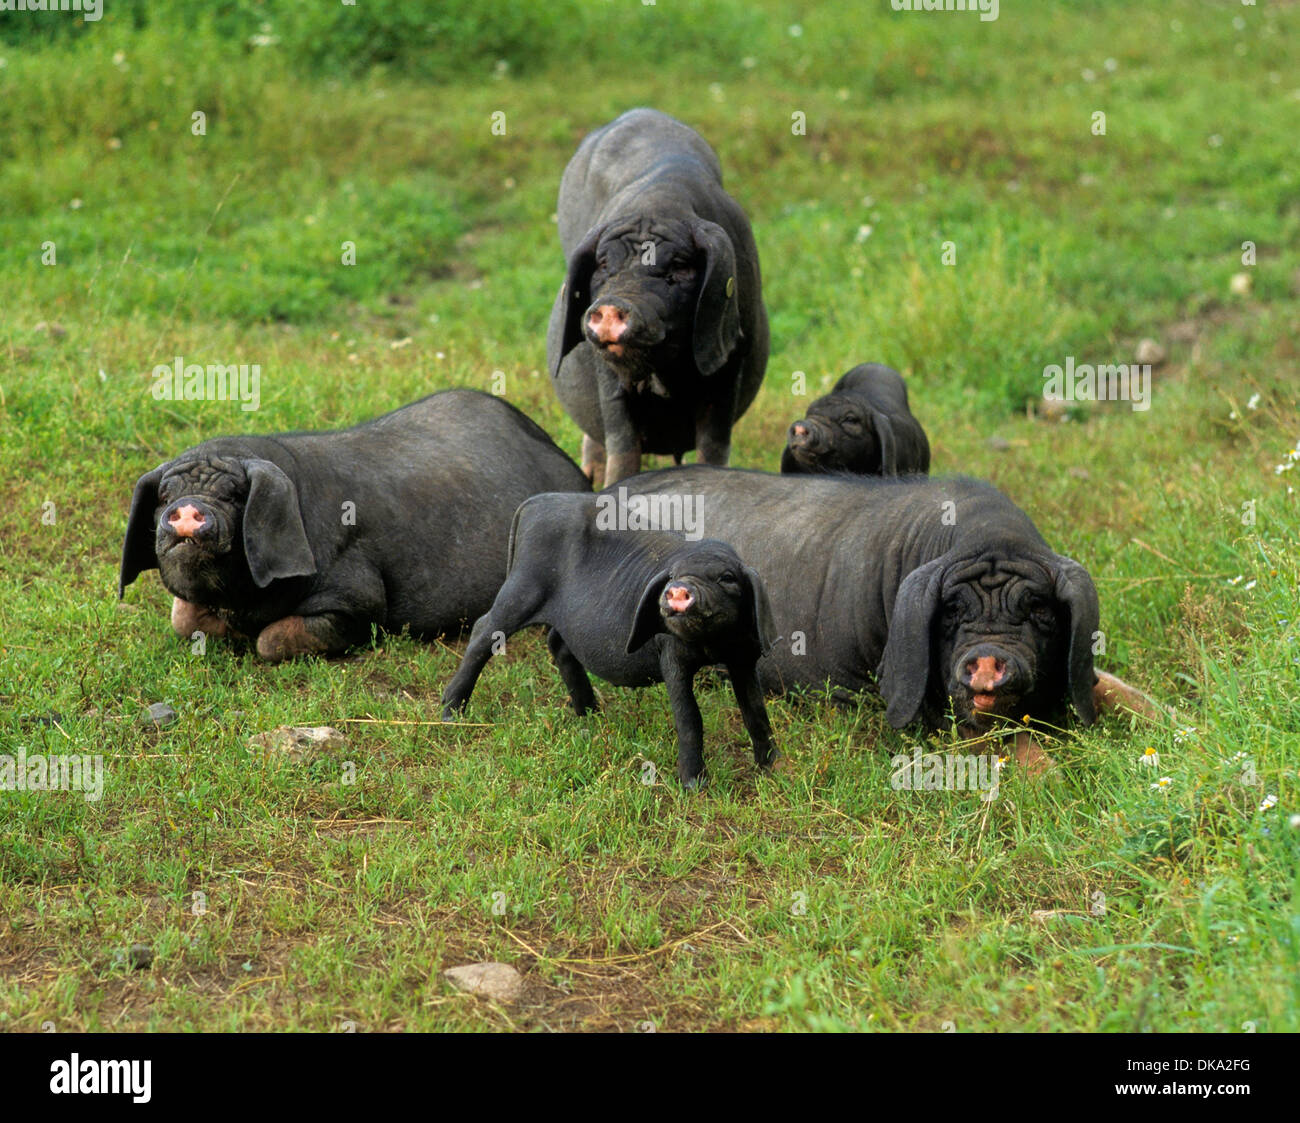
306	540
862	426
633	607
942	588
658	339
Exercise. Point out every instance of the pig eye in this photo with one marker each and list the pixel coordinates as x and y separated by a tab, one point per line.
851	424
682	274
728	578
1043	614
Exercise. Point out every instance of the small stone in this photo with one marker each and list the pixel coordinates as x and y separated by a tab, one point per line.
1150	353
1240	284
497	981
140	956
162	715
998	444
300	742
1052	408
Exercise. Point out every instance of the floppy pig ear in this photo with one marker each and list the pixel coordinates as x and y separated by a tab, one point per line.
576	297
138	549
904	673
888	446
274	537
761	610
1074	589
717	310
647	622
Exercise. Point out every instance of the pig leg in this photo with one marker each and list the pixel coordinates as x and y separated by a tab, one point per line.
573	673
189	618
593	462
622	441
321	634
749	697
332	618
512	609
1111	693
678	678
1031	756
713	434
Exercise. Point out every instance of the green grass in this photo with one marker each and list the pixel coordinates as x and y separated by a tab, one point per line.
817	898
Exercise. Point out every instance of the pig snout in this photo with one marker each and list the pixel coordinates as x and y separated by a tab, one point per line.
989	673
607	324
187	521
804	435
678	597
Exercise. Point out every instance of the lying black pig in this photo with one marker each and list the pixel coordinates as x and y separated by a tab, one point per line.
306	540
941	590
864	425
633	607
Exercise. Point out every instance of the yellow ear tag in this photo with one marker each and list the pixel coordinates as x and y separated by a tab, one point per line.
731	285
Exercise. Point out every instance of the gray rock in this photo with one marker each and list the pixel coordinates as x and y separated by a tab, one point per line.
299	742
162	715
998	444
1150	353
497	981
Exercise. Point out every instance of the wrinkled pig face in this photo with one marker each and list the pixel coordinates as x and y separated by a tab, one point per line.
200	509
1004	640
995	635
837	435
644	288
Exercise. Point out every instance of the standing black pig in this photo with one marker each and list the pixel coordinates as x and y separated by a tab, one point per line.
306	540
632	606
863	426
658	338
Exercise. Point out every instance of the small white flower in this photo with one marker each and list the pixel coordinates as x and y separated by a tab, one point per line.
1163	783
1150	758
1253	403
1270	801
864	232
1249	585
1089	75
795	31
749	62
1237	580
1294	822
1111	64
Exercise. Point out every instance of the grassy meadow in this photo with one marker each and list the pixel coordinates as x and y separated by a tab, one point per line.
927	190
